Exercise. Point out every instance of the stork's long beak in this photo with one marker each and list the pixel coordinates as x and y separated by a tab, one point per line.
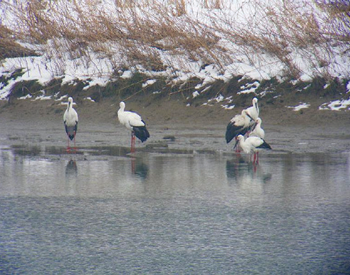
253	127
249	116
236	143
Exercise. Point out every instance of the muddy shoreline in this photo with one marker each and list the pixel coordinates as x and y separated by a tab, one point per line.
173	126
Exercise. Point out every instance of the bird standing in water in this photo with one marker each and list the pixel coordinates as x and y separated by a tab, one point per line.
253	110
253	145
133	122
239	125
258	131
70	120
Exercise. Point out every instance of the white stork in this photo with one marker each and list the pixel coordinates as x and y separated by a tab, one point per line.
253	110
253	145
70	120
239	125
258	131
133	122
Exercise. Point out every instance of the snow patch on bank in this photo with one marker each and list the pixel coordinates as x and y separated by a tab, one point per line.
299	107
336	105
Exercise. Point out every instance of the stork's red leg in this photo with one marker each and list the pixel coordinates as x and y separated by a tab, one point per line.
132	142
74	141
255	161
68	144
237	146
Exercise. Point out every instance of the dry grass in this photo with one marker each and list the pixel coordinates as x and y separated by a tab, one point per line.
338	18
9	47
141	32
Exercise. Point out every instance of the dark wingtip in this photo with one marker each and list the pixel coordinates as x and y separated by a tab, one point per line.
141	133
144	138
266	145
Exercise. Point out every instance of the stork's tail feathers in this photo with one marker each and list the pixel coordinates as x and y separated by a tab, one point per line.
141	133
265	145
71	131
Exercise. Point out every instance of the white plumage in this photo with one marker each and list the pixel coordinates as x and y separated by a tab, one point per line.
253	111
252	144
70	120
239	125
133	122
258	131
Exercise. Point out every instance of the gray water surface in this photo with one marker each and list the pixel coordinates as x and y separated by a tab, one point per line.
101	211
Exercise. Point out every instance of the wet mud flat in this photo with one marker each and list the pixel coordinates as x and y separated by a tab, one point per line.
173	137
172	127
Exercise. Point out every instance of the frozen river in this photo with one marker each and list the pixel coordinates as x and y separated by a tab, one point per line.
101	211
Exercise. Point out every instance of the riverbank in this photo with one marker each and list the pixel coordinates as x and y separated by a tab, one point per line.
172	125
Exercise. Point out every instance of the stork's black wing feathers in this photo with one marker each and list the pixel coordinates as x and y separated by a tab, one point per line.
264	145
71	130
141	132
233	131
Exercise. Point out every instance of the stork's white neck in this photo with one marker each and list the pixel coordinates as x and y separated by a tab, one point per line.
122	106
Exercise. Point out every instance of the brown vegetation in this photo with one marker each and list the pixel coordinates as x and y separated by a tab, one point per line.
138	32
8	45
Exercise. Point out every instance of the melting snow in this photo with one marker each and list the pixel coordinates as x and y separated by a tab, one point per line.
299	107
40	97
127	74
249	88
264	93
100	70
25	97
195	94
336	105
89	98
103	81
220	98
148	83
61	98
228	107
43	96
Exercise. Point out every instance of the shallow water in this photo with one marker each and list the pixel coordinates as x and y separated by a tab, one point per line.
101	211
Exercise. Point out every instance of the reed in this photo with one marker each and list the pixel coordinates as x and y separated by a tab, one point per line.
147	32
